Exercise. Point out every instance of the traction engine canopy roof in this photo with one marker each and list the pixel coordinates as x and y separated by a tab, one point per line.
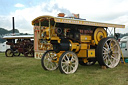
75	21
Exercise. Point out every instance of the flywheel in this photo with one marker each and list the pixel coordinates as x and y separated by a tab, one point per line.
99	34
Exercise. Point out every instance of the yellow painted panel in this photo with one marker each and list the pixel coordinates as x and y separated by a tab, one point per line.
91	52
82	53
84	46
55	38
85	38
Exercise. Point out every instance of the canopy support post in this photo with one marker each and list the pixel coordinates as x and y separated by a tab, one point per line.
49	29
114	31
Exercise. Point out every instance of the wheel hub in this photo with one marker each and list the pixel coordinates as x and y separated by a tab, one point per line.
68	63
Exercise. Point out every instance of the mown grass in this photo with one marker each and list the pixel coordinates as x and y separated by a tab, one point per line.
28	71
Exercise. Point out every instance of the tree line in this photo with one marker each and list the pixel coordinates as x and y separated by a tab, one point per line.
4	32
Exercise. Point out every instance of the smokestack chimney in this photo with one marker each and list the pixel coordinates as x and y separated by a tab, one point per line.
13	25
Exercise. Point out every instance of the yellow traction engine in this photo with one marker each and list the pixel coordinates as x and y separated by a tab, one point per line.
76	41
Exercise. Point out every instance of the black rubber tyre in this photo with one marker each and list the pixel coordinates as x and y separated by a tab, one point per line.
49	60
68	60
9	53
108	52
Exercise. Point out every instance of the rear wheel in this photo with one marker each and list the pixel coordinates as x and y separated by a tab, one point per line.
16	53
68	62
48	60
108	52
9	53
28	50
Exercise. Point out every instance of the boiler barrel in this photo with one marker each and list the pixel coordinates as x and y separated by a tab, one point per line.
64	45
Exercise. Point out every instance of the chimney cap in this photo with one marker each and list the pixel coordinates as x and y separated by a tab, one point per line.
61	15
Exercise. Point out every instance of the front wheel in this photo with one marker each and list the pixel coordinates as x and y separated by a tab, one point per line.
108	52
68	62
9	53
48	60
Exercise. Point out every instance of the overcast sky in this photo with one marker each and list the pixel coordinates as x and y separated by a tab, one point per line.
24	11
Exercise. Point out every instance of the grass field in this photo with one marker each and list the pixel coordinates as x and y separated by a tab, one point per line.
28	71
